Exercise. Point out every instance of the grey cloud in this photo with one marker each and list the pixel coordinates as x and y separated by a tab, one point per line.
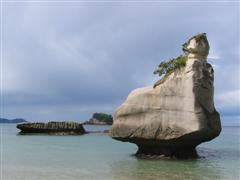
69	59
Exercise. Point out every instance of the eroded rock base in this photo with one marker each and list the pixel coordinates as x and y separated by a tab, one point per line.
150	152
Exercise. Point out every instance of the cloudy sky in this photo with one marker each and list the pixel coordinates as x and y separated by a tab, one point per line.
64	60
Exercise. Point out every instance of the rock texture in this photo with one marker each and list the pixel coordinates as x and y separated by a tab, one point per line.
177	114
94	121
55	128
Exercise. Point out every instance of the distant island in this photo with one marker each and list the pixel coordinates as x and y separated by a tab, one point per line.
18	120
100	119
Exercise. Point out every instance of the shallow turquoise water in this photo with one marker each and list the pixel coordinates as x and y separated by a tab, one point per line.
97	156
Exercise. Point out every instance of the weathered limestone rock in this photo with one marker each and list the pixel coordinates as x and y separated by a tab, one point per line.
175	115
56	128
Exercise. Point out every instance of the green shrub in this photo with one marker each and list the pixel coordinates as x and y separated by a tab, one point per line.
171	65
103	117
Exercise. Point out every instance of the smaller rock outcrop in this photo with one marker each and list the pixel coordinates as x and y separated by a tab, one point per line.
100	119
53	128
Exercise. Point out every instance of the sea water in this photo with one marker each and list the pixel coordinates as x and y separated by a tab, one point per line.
97	156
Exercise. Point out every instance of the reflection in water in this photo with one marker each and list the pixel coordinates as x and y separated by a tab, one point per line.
165	169
220	159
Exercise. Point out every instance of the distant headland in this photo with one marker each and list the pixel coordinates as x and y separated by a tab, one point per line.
13	121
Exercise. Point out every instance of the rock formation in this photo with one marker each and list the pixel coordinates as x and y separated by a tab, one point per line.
100	119
177	114
55	128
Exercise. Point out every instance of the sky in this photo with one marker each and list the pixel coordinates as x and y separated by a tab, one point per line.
65	60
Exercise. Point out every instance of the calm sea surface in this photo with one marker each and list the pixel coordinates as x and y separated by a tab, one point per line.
97	156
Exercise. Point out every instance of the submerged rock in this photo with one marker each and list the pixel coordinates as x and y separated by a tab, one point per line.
176	114
55	128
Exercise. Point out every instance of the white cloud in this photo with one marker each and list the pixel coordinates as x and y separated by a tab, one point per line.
229	99
57	56
213	57
214	53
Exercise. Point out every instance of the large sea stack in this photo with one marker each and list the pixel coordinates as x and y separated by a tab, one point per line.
176	114
52	128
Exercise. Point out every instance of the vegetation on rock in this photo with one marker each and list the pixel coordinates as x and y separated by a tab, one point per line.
202	45
102	117
166	67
